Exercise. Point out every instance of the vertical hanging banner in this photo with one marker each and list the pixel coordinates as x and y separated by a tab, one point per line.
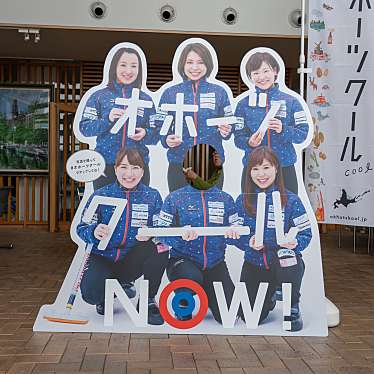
166	245
339	172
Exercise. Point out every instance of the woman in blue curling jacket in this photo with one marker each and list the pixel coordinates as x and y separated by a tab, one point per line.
270	262
195	66
288	126
127	255
200	258
101	114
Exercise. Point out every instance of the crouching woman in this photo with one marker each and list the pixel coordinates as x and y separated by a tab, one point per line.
127	256
200	258
270	262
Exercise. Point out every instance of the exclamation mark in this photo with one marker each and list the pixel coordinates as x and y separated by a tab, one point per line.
286	296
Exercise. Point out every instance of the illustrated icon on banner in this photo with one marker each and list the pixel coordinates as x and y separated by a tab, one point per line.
346	200
319	54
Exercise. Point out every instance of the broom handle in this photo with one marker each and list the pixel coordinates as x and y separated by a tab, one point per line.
78	279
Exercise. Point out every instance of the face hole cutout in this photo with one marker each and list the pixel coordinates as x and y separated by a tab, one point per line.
202	167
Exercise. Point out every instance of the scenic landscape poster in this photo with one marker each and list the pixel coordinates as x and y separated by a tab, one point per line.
24	123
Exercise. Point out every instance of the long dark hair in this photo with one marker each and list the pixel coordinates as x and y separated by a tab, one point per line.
113	67
257	157
203	53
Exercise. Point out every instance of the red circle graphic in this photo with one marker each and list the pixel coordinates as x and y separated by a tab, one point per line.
185	283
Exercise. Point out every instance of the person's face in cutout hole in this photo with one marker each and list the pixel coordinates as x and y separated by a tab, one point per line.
194	68
128	175
212	165
216	158
127	68
264	77
263	176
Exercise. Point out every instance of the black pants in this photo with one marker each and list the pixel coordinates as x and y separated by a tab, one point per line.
253	275
289	176
142	259
179	268
176	178
110	177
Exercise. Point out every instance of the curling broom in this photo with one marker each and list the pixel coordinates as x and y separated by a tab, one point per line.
67	316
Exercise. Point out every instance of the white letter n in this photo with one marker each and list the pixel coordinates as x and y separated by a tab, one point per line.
112	287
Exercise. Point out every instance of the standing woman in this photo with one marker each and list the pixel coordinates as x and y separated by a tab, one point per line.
195	66
127	256
101	113
288	126
270	262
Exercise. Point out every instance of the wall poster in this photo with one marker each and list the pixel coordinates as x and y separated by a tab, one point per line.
24	126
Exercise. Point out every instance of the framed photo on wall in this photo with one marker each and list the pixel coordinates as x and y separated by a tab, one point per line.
24	128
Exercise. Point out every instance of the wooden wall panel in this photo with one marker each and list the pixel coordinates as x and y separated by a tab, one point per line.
23	199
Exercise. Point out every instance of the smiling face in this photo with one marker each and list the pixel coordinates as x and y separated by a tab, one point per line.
127	68
194	68
264	77
263	176
128	175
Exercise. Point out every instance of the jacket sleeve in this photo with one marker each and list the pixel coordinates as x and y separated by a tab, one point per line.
160	117
156	209
85	229
215	177
241	219
95	117
232	219
296	130
226	110
299	218
201	184
149	123
242	132
167	218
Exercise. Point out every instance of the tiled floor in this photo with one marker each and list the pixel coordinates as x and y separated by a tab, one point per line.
31	274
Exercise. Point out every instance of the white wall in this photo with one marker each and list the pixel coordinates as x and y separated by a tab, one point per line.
261	17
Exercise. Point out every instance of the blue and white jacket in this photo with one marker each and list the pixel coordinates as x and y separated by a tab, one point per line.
294	214
95	122
291	113
199	208
142	209
212	101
